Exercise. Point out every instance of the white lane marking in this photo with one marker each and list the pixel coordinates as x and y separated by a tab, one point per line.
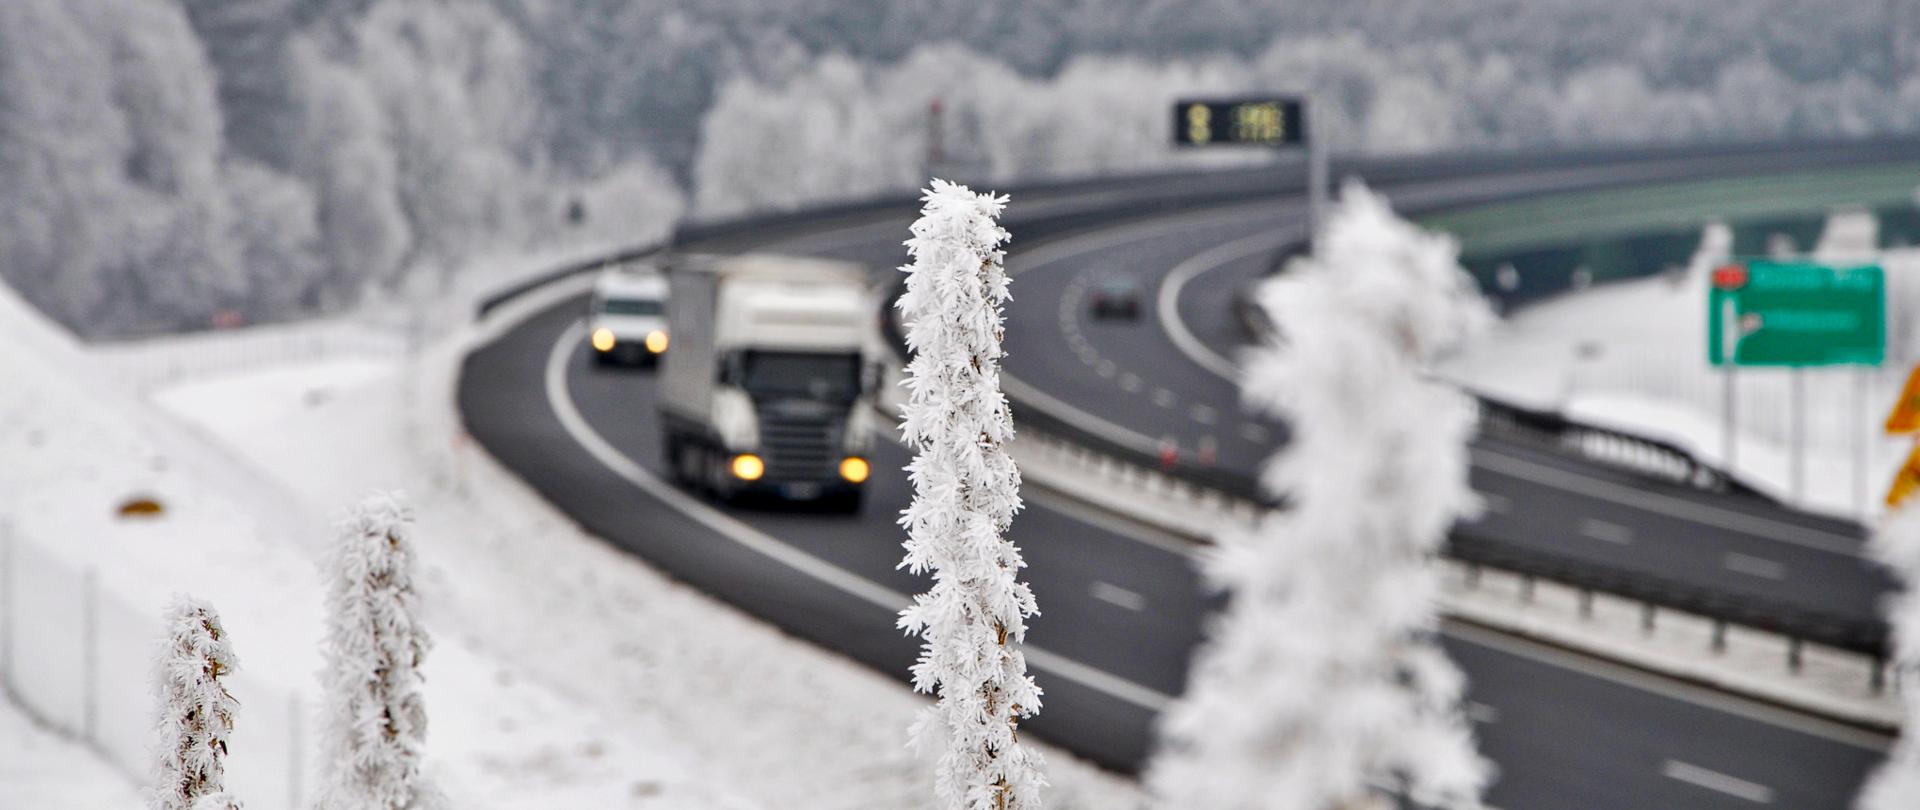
1482	713
1666	505
1203	414
1666	687
1129	382
1162	397
1116	595
1716	781
1606	532
1176	280
1754	566
1105	368
731	528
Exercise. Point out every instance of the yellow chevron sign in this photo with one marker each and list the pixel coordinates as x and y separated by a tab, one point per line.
1905	417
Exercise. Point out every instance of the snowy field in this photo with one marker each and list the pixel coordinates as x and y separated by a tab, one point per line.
595	681
1632	355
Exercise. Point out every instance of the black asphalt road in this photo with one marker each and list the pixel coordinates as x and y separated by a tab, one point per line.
1134	378
1567	732
1122	608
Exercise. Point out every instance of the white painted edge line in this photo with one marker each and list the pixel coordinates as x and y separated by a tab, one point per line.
1168	301
739	532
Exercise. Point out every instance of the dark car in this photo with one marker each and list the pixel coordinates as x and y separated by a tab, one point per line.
1115	297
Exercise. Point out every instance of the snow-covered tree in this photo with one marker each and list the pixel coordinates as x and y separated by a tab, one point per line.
193	714
965	493
374	731
1896	786
1321	685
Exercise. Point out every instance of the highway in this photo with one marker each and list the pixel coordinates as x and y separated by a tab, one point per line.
1121	607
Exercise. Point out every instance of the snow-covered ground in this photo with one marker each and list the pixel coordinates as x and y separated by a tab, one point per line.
565	673
1632	355
40	768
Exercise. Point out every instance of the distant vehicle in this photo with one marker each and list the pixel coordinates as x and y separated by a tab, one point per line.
627	323
769	388
1115	297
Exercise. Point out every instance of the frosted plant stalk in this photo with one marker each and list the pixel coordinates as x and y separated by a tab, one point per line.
1321	685
374	731
966	491
1896	786
193	710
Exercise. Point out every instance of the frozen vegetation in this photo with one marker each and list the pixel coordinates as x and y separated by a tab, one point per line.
1322	683
966	490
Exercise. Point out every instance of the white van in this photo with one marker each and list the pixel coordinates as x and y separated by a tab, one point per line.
627	323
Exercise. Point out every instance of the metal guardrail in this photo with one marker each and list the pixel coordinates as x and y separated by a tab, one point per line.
1192	190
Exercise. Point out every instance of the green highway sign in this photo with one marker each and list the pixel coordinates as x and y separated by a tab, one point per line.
1241	122
1783	313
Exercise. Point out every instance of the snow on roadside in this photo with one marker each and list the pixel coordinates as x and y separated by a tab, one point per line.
39	768
779	720
1632	355
76	445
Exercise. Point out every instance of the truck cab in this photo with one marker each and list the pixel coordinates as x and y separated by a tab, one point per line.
627	319
769	388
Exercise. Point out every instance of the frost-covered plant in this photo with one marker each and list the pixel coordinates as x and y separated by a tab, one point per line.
1896	786
966	491
376	720
1321	685
193	711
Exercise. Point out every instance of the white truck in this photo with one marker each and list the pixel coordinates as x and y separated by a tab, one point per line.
769	388
626	318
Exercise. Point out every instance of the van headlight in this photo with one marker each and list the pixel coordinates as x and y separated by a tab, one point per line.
603	339
748	467
854	469
657	341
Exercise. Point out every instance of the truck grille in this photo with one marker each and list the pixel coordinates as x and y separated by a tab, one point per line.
800	448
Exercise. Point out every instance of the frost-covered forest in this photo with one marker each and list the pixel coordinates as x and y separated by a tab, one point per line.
163	161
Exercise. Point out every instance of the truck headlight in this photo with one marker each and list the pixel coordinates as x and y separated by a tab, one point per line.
748	467
854	469
656	341
603	339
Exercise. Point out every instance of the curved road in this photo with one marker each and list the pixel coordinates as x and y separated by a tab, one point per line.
1122	607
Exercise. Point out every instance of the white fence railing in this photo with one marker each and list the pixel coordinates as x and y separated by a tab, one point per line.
158	362
79	658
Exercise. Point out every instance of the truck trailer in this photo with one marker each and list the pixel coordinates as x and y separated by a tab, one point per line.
769	387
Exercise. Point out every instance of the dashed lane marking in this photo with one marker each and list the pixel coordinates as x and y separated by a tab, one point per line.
1716	781
1115	595
1606	532
1754	566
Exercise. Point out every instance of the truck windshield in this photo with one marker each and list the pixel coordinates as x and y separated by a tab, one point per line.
630	306
824	377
